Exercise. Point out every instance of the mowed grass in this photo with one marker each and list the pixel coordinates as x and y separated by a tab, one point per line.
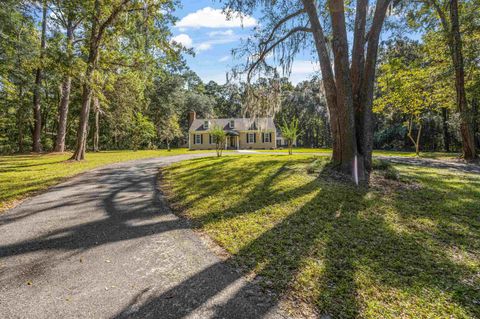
22	175
437	155
408	249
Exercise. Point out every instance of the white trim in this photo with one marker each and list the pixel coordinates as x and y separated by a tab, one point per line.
248	138
265	135
200	138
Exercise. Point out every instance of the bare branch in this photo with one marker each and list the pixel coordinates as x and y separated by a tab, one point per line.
279	24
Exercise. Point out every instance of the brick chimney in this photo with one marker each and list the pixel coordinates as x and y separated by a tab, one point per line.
191	117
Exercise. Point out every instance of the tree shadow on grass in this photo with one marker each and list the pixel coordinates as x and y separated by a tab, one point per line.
276	255
341	251
200	184
331	250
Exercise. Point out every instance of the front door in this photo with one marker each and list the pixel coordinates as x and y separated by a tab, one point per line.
233	141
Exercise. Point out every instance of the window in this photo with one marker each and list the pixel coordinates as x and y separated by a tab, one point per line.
232	123
267	137
205	124
198	139
211	139
251	138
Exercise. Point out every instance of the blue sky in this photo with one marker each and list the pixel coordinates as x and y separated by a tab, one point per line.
203	27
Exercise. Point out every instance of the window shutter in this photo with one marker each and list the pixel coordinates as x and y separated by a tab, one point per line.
201	138
270	137
209	138
194	139
254	137
263	137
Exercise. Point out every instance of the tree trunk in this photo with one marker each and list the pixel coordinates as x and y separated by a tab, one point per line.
96	34
416	142
344	94
327	79
417	145
469	152
65	94
363	110
63	114
349	94
446	134
475	122
96	134
37	114
79	153
20	120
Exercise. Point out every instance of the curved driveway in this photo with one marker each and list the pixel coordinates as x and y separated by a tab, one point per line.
103	245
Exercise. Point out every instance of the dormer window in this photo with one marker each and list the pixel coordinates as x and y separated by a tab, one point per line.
232	124
206	124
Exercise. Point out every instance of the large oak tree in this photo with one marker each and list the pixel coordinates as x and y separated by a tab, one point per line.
348	78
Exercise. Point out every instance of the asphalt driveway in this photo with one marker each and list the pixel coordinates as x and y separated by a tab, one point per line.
104	245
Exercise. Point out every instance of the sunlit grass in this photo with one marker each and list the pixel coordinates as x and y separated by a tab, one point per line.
438	155
407	249
21	175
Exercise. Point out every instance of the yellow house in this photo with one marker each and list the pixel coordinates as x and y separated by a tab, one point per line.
242	133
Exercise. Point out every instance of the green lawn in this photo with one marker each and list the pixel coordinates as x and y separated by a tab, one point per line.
439	155
408	249
21	175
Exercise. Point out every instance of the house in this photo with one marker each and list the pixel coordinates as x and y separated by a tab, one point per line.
242	133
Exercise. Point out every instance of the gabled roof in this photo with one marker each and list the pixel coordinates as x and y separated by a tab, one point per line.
240	124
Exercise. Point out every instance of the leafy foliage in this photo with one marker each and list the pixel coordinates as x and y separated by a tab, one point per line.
219	136
290	132
169	130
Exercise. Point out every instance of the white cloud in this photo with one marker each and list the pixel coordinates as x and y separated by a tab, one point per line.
225	33
215	18
203	46
183	39
303	70
220	37
224	58
305	67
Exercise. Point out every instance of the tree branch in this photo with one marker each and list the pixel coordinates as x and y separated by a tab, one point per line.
279	24
271	47
358	50
441	14
111	18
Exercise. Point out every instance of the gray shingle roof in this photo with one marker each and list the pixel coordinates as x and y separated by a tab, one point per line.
241	124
